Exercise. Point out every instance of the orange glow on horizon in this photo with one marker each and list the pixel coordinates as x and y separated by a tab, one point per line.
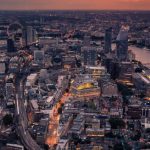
75	4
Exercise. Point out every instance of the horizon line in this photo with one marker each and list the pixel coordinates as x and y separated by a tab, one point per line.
73	10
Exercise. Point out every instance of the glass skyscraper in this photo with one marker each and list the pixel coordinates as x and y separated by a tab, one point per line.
122	44
108	40
11	45
89	55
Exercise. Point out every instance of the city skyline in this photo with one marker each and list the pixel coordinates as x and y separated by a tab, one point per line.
75	5
74	79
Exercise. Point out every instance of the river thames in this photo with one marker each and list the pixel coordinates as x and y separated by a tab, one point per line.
141	54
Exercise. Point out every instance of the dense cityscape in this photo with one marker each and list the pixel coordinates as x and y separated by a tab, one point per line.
74	80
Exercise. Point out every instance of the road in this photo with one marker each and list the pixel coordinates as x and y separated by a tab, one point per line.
22	121
52	138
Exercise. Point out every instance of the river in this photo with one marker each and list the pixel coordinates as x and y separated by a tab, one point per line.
141	54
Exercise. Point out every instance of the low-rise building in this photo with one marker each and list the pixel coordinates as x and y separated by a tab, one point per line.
63	144
109	89
85	85
145	119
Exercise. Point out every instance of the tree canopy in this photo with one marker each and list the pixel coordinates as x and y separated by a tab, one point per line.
7	119
116	123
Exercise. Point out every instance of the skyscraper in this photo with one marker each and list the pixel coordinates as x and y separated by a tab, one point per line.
39	56
29	35
10	45
9	90
87	40
122	44
34	36
2	67
89	55
108	40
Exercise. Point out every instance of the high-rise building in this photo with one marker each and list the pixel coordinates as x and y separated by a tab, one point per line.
39	56
29	35
87	40
108	40
122	44
18	40
2	67
35	38
89	55
9	90
10	45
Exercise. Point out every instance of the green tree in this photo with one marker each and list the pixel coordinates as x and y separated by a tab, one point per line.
1	96
142	95
137	136
118	147
7	119
116	123
148	130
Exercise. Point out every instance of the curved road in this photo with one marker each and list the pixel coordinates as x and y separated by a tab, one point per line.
21	115
22	121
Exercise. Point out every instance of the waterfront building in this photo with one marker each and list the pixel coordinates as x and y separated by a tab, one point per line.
141	82
126	71
122	44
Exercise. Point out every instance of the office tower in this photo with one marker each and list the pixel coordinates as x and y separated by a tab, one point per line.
2	68
10	46
39	56
89	55
108	40
114	69
34	36
18	39
9	87
41	20
86	41
29	35
122	44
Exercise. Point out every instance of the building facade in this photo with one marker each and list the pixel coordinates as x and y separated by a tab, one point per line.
108	40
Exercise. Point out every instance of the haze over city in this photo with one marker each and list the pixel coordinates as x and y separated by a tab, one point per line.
75	4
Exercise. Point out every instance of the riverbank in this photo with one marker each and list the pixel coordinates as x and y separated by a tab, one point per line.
141	54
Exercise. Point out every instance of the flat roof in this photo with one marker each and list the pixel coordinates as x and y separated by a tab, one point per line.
96	67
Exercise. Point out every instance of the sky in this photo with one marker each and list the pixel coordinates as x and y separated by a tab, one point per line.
75	4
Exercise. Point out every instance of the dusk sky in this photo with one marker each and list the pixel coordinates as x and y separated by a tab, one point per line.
75	4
